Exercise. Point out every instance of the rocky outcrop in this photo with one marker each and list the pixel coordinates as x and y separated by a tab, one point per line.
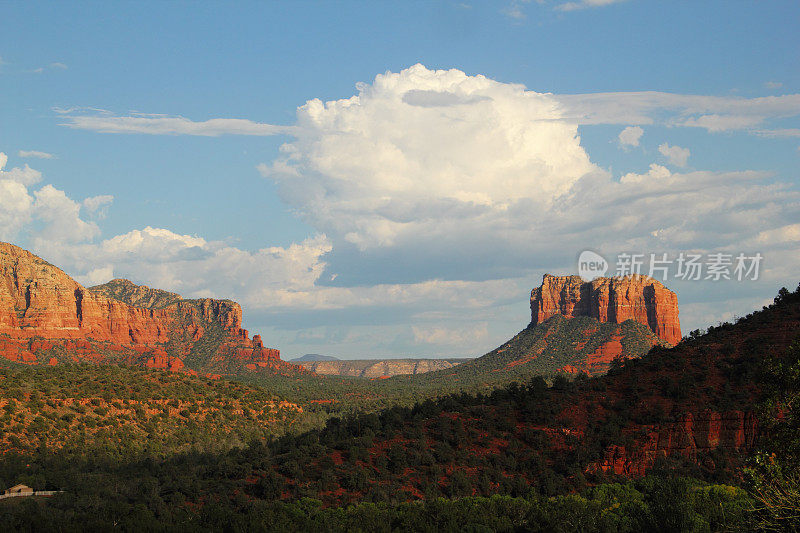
136	295
118	321
615	300
375	368
599	361
693	436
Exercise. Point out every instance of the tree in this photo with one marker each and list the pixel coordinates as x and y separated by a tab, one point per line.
774	474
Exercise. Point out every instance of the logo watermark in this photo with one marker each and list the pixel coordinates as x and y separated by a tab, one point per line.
683	265
591	265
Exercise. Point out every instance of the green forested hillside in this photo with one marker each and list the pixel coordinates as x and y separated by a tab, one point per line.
136	295
125	411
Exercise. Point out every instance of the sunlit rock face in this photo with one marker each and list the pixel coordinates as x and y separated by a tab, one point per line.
42	308
615	300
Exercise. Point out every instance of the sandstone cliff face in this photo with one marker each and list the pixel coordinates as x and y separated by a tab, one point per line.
615	300
691	435
118	320
377	368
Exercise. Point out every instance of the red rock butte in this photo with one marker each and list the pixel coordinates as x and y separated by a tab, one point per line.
42	307
615	300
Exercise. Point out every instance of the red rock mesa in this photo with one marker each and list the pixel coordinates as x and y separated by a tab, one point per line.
615	300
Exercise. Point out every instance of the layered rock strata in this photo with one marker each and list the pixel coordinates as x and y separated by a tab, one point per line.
691	437
41	307
375	368
615	300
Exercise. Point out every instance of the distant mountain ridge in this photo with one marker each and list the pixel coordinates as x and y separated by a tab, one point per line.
313	357
376	368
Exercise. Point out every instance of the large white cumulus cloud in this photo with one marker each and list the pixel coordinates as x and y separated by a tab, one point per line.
434	173
418	148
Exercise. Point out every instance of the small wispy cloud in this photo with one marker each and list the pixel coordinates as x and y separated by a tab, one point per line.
35	154
97	206
76	109
52	66
584	4
776	133
514	10
105	122
676	155
630	136
712	113
716	122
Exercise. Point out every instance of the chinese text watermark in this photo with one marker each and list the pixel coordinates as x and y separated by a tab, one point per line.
683	266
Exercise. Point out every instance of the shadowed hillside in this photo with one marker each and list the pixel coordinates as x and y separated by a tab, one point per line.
692	408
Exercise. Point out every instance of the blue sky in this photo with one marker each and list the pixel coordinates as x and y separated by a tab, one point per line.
414	219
